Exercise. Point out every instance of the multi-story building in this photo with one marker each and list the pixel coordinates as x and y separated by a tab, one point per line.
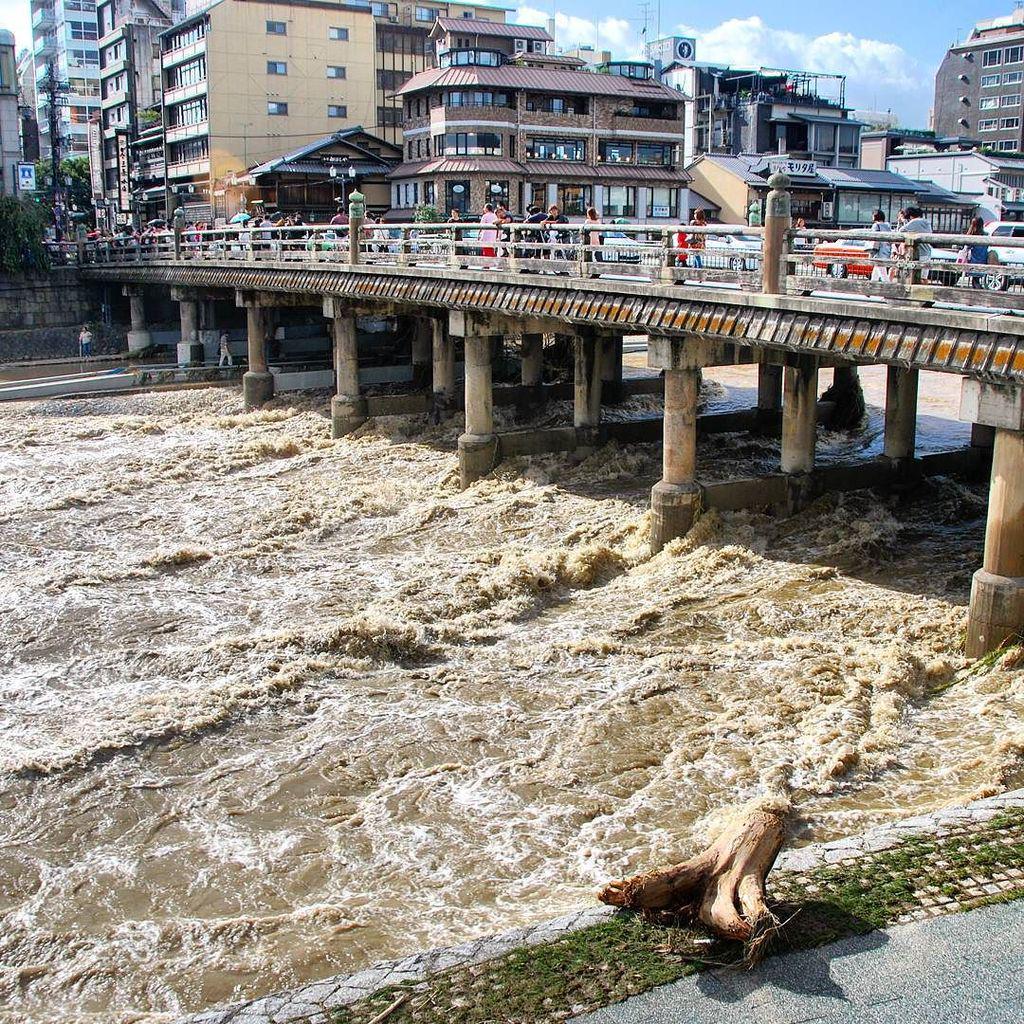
65	36
245	84
993	181
877	146
10	133
27	105
980	82
404	48
129	49
801	114
501	119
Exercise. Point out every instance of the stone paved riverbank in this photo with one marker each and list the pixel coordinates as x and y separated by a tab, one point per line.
916	868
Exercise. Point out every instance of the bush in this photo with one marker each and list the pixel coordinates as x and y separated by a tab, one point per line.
22	229
427	213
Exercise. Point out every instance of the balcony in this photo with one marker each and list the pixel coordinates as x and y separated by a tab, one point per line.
184	92
45	47
187	131
43	18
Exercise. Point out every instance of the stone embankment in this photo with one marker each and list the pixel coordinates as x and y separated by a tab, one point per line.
41	315
940	863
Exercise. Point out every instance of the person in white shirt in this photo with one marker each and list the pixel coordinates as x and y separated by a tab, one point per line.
916	224
882	250
225	351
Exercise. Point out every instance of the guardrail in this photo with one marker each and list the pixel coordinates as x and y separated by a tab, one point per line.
885	266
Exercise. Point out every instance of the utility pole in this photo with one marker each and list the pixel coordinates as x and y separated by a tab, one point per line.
55	91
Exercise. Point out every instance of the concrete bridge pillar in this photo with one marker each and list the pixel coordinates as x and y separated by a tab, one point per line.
996	613
799	414
190	348
443	352
769	392
422	352
900	413
586	417
531	364
675	499
348	407
139	337
478	446
257	382
611	367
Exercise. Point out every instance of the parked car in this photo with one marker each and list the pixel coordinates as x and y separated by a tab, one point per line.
618	247
737	252
845	258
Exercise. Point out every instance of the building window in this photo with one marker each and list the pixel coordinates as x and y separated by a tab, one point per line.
991	58
1010	100
1007	146
478	98
663	202
192	72
471	58
456	196
659	111
335	71
390	79
659	153
469	144
277	109
341	34
556	149
988	103
188	113
379	10
615	152
187	36
277	67
987	124
427	14
556	104
573	200
428	192
1013	54
336	110
496	192
192	149
82	30
388	117
619	201
988	81
1009	122
277	28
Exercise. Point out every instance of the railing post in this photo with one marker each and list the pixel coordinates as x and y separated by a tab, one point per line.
777	223
356	212
914	249
453	256
511	261
403	247
667	257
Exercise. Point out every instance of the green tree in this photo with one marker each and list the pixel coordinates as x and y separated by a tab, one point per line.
426	213
73	169
22	228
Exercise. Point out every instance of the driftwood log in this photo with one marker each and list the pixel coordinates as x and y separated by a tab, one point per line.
722	887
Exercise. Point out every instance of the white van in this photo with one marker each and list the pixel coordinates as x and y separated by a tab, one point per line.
1008	256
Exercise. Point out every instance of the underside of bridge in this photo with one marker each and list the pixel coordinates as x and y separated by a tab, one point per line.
789	339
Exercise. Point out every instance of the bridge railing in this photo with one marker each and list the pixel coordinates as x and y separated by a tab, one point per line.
971	270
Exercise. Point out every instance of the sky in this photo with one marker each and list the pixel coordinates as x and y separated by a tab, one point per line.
888	49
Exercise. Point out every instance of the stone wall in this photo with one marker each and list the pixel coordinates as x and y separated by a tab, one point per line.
41	315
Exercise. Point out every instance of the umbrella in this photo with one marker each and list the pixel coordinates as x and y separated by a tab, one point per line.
240	218
157	222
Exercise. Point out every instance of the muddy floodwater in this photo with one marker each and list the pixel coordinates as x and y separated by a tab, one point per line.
273	706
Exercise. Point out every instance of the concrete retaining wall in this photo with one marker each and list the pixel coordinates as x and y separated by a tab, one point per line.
41	315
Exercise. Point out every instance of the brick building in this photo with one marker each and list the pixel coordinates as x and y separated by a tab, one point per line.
502	119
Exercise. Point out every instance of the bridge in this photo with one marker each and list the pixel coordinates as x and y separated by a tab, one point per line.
790	301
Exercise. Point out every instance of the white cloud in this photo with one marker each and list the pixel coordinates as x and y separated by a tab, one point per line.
879	74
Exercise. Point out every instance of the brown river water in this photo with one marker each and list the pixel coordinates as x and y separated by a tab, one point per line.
275	706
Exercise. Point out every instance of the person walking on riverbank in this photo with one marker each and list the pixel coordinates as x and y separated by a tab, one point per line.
84	342
225	351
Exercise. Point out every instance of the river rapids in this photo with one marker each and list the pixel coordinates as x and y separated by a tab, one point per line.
274	706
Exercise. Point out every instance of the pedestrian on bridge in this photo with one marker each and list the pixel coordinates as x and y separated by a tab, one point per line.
882	250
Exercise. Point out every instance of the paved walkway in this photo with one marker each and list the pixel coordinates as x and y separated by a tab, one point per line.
961	969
